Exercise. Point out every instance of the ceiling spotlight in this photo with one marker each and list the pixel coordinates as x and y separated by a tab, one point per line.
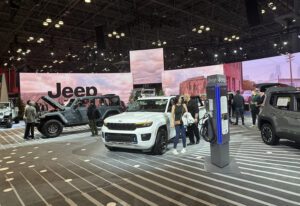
153	43
50	66
114	33
194	29
102	54
226	38
235	51
159	44
122	34
207	29
274	8
87	1
57	26
45	66
61	62
241	48
118	36
199	31
23	53
164	43
19	59
109	35
294	20
298	36
237	38
275	45
201	27
19	50
285	43
233	36
48	20
45	23
55	61
5	64
96	52
52	53
216	55
229	39
263	11
60	22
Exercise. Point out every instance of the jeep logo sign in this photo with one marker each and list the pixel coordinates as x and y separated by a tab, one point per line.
68	92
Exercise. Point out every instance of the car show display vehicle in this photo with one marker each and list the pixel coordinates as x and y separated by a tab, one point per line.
8	114
74	113
145	126
279	117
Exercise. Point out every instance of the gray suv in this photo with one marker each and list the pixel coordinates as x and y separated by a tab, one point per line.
279	117
74	113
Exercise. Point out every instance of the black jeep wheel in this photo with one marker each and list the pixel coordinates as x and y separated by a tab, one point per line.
9	123
52	128
17	120
268	134
161	142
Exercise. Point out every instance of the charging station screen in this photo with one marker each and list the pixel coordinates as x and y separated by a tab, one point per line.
147	66
277	69
62	86
188	81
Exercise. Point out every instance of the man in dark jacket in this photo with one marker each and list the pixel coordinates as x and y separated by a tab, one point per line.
192	130
238	102
93	114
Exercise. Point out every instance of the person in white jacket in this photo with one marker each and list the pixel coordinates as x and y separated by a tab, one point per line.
178	110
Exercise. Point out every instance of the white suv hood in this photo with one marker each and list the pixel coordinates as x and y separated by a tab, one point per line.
135	117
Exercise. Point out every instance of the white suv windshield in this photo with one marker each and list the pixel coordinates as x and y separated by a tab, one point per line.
4	105
148	105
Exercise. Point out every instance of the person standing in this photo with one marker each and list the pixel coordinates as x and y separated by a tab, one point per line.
29	116
230	106
192	130
255	98
178	109
238	101
93	114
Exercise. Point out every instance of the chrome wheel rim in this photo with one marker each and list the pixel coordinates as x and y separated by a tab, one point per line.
53	128
267	134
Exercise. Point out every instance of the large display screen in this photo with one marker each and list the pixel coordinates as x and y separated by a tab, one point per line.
273	70
62	86
147	66
188	81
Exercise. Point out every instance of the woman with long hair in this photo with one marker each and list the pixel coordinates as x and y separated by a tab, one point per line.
178	109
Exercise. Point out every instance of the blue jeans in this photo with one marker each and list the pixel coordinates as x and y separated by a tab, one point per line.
180	131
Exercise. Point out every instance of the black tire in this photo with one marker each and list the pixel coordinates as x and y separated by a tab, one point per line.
9	123
111	148
52	128
268	134
39	128
17	120
161	142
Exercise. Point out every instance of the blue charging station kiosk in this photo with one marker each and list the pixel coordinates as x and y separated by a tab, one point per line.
218	128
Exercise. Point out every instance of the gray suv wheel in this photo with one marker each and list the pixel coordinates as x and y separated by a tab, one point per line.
268	135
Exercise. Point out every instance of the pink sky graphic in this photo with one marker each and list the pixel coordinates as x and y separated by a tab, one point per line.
147	66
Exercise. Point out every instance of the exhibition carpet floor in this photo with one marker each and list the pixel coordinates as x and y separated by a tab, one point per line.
76	169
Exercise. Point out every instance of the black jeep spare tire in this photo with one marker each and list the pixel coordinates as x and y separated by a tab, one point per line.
161	142
52	128
268	134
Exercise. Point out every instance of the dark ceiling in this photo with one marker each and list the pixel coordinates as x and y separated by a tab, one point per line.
143	22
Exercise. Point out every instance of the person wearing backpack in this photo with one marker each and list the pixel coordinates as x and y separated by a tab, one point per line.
178	109
93	114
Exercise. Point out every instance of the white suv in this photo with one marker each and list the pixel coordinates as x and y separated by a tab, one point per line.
144	126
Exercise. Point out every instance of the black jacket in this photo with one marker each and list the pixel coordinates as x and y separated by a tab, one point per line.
93	113
193	108
238	101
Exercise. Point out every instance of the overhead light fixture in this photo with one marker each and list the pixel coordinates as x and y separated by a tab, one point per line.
237	38
235	51
226	38
45	66
216	55
164	42
109	35
61	62
55	61
52	53
233	36
23	53
30	39
298	36
263	11
61	22
199	31
274	8
19	59
294	20
45	23
102	54
285	43
275	45
201	27
229	39
153	43
96	52
159	44
241	48
207	29
118	36
19	50
87	1
50	66
122	34
114	33
5	64
194	29
48	20
57	26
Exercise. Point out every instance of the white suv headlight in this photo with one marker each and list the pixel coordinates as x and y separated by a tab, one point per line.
143	124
